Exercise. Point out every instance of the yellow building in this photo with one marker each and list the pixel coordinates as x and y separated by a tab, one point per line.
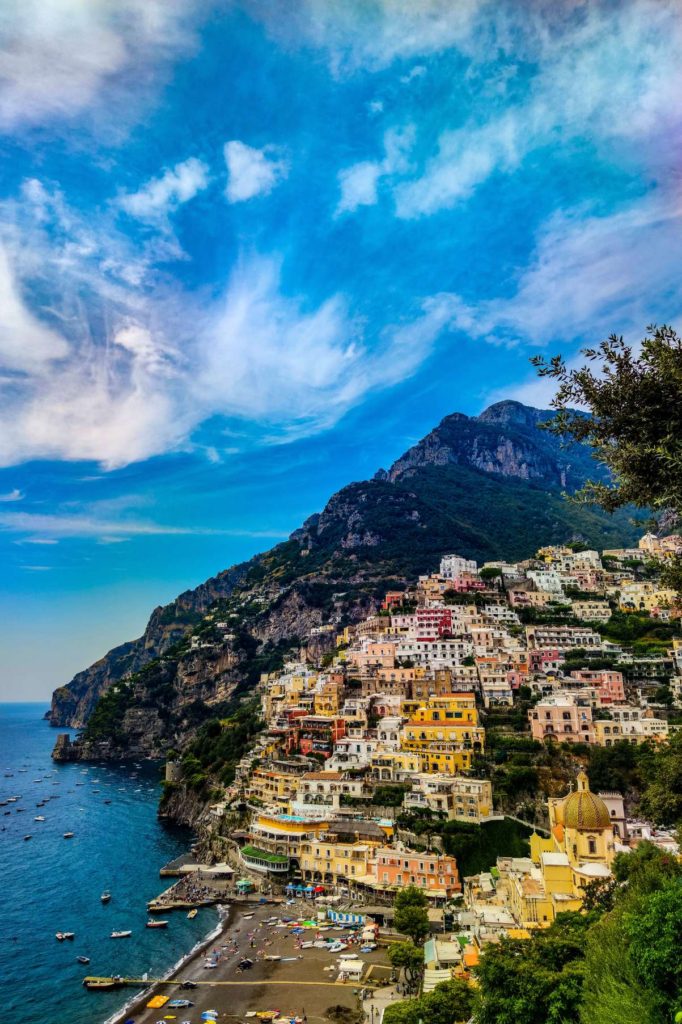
445	732
394	765
579	850
645	597
272	788
329	862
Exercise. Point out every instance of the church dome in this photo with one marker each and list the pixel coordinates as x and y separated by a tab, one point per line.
585	811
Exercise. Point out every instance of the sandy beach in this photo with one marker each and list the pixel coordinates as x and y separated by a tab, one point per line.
297	985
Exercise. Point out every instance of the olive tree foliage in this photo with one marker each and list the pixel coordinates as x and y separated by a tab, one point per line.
633	401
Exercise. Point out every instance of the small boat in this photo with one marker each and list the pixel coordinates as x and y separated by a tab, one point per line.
60	936
103	984
69	835
27	837
40	817
121	935
105	897
83	959
193	913
157	924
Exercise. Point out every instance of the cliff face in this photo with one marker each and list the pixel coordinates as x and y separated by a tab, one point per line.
503	440
486	487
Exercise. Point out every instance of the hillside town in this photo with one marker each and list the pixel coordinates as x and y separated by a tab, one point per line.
390	726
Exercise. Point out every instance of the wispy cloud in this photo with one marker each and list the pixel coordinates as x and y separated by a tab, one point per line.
92	525
13	495
611	76
583	281
159	197
359	183
139	380
253	172
372	34
59	57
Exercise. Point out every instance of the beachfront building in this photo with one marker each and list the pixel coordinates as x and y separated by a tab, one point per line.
436	875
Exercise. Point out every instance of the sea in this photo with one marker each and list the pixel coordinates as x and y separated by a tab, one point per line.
50	884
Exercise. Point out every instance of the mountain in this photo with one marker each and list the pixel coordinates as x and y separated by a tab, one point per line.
486	487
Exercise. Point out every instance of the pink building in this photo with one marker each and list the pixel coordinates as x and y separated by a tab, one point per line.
436	875
547	660
609	684
466	583
563	717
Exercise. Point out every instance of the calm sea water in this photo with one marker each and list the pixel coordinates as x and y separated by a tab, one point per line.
50	884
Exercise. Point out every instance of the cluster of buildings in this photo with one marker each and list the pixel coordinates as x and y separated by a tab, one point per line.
392	720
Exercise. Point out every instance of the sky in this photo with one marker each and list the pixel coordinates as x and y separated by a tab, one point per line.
253	250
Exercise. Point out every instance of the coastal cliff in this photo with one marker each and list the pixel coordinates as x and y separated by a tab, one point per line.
486	487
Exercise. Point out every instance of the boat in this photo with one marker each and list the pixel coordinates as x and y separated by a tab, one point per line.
83	959
193	913
121	935
157	924
27	837
103	984
60	936
105	897
69	835
40	817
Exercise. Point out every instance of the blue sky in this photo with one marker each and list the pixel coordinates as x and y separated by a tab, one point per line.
250	251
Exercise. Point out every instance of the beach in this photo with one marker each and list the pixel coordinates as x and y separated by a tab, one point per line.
297	985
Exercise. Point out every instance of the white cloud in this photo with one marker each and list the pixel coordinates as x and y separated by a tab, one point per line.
59	57
592	275
156	362
612	76
418	71
96	524
13	495
371	34
252	172
159	197
26	343
359	183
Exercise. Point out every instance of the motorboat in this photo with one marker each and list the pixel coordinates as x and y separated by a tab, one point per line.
26	838
193	913
157	924
39	817
69	835
121	935
60	936
105	897
83	959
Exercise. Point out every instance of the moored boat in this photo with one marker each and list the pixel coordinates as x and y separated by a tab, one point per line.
157	924
121	935
69	835
103	984
105	897
83	959
193	913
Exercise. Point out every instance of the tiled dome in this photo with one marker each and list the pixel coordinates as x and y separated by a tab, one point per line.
584	810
